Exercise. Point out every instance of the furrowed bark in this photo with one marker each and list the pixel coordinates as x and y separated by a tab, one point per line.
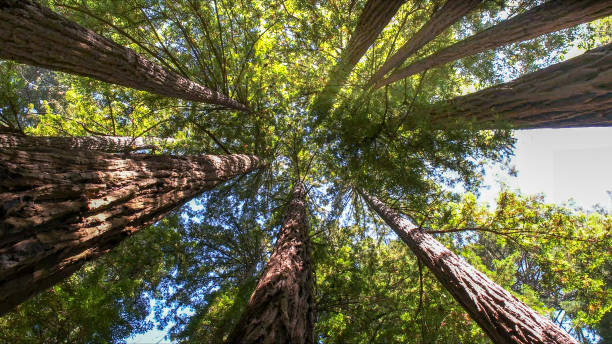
375	16
281	309
574	93
33	34
444	17
110	144
61	208
554	15
504	318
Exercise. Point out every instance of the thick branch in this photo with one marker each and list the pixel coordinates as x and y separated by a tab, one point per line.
110	144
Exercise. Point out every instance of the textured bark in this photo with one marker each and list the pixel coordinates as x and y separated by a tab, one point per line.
375	16
281	309
35	35
502	316
61	208
111	144
574	93
552	16
444	17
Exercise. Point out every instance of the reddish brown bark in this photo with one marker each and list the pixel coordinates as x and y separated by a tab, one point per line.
375	16
574	93
281	309
502	316
35	35
61	208
552	16
111	144
444	17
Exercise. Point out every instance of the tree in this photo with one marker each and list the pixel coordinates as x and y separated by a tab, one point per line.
549	17
35	35
61	210
281	309
503	317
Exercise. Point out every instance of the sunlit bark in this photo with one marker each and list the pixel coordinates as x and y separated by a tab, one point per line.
111	144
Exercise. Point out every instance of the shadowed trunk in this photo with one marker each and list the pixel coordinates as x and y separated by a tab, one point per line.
281	309
35	35
552	16
61	208
504	318
375	16
444	17
574	93
111	144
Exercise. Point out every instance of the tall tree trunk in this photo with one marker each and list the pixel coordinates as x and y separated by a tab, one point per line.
61	208
375	16
110	144
552	16
444	17
281	309
502	316
574	93
33	34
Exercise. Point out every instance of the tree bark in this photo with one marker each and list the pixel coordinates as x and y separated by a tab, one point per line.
444	17
281	309
574	93
502	316
110	144
61	208
33	34
375	16
552	16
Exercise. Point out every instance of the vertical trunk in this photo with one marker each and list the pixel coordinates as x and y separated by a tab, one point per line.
110	144
503	317
444	17
375	16
35	35
281	309
574	93
552	16
61	208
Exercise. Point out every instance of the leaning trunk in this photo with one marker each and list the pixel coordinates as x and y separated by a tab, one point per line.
502	316
61	208
110	144
281	309
33	34
552	16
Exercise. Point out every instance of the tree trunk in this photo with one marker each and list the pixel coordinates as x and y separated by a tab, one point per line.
552	16
110	144
503	317
35	35
61	208
281	309
574	93
444	17
375	16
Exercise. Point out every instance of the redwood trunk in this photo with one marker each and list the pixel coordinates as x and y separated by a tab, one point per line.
375	16
444	17
281	309
502	316
33	34
61	208
552	16
574	93
111	144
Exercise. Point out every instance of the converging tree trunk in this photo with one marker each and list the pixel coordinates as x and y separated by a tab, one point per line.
281	309
574	93
444	17
375	16
61	208
33	34
502	316
110	144
552	16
